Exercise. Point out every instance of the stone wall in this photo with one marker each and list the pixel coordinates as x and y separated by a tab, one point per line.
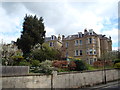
59	80
14	70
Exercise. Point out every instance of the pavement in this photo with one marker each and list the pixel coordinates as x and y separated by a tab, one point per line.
108	86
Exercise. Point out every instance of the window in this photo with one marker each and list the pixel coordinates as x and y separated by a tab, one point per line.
51	44
91	32
90	51
91	61
80	52
87	51
94	52
66	44
94	40
76	42
79	34
76	52
90	40
80	42
66	54
95	59
52	37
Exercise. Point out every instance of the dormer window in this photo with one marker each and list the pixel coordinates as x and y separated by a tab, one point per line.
52	37
91	32
79	34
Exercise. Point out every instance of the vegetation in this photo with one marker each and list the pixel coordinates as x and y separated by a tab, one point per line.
44	67
117	65
46	53
32	34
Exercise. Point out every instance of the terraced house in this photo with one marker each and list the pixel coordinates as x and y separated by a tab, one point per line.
88	46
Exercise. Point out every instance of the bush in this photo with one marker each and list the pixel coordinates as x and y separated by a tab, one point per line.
60	64
24	63
46	53
117	65
80	65
45	67
116	61
35	63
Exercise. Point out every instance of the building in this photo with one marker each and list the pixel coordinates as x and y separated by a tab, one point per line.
87	46
54	42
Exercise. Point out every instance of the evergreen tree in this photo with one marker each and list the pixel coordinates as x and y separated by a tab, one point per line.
32	34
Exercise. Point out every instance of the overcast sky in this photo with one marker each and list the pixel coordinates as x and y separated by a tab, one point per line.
64	18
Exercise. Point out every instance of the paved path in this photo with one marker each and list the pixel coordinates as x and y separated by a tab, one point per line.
108	86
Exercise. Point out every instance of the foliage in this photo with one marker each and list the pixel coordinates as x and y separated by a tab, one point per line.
102	63
80	65
46	53
44	67
16	59
24	63
116	61
117	65
89	67
72	65
32	34
60	64
35	63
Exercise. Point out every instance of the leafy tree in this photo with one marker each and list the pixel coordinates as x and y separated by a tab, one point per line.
46	53
32	34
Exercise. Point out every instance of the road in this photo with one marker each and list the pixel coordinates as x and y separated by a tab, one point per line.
109	86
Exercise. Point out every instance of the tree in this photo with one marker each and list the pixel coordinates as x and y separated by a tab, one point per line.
32	34
46	53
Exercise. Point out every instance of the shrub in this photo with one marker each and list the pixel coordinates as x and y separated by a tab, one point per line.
117	65
46	67
24	63
80	65
60	64
117	61
72	65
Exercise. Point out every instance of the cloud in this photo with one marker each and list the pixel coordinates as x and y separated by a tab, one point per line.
61	17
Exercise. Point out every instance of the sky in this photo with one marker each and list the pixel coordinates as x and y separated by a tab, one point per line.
65	17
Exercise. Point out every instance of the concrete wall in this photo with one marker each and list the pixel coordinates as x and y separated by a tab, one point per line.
31	81
61	80
14	70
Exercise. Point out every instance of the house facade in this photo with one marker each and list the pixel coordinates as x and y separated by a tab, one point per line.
54	41
87	46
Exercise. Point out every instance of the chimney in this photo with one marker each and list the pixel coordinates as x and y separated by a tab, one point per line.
85	31
63	37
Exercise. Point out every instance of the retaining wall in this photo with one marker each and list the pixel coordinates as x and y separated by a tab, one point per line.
59	80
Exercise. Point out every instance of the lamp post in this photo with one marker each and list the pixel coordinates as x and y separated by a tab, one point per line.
104	72
104	57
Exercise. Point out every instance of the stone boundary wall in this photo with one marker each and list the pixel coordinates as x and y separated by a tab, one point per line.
14	70
60	80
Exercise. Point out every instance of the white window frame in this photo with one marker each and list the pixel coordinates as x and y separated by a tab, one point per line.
80	42
91	61
52	37
94	52
76	53
76	42
66	44
80	52
79	34
89	40
91	32
90	50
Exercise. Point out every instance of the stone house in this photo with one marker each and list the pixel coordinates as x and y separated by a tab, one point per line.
87	46
54	42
